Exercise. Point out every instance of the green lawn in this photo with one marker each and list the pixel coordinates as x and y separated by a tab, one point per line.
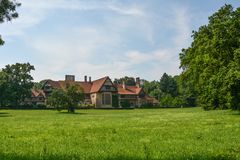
189	133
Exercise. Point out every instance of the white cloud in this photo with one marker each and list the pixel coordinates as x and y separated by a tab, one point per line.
80	49
181	25
33	12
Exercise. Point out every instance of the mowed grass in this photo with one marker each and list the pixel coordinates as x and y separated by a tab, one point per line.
188	133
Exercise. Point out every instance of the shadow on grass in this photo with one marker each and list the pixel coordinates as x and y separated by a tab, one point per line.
69	113
236	113
5	114
113	157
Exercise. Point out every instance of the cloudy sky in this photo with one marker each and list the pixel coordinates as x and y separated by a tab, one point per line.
108	37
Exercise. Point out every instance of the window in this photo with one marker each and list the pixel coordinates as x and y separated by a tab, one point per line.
108	87
106	99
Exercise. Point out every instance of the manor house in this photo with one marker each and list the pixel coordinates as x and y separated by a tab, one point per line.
101	93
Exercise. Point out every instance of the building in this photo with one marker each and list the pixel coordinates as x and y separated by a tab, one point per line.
38	97
102	93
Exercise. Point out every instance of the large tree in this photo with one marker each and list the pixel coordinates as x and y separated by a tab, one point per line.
3	88
212	63
168	85
17	83
66	99
7	12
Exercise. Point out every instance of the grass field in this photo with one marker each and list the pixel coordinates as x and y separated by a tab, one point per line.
189	133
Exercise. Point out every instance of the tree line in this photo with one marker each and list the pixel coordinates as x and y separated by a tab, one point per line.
15	84
211	67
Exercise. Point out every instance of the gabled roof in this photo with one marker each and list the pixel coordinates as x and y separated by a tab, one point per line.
97	84
150	98
88	87
129	90
37	93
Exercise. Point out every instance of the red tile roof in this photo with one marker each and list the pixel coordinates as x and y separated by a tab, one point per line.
88	87
95	86
132	90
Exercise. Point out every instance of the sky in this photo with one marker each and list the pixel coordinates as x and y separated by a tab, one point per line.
97	38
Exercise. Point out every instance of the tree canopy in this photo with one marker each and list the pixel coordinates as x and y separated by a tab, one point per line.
130	81
8	12
66	99
15	83
212	63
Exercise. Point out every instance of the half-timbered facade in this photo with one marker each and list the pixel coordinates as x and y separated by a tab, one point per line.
102	93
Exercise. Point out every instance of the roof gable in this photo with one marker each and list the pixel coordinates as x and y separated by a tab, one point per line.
97	84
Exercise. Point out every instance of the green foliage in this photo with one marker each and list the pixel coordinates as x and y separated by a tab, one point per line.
125	104
58	99
166	100
168	85
147	105
130	81
115	102
74	97
211	64
66	99
15	83
3	88
8	12
160	134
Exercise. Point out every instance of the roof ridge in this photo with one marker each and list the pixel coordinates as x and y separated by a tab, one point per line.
101	78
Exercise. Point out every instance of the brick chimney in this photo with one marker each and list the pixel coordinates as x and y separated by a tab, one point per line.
90	79
123	85
138	82
70	78
85	78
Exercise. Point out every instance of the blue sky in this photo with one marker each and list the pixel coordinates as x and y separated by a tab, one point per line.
108	37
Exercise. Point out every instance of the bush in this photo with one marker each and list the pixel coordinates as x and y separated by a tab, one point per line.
147	105
166	101
40	106
115	101
125	104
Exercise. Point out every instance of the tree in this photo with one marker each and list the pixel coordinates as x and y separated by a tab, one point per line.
66	99
58	99
130	81
75	96
17	83
3	88
8	12
186	93
211	64
168	85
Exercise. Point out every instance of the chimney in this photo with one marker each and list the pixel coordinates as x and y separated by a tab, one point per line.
123	85
85	78
70	78
138	82
90	79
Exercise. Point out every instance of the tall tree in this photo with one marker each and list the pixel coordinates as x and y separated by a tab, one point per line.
168	85
3	88
211	64
8	12
75	96
66	99
19	82
58	99
128	81
153	89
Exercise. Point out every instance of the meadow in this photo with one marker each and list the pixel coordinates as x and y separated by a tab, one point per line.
187	133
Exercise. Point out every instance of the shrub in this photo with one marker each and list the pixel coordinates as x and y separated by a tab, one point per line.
125	104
